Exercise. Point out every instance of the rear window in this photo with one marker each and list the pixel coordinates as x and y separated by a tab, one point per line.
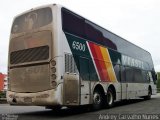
32	20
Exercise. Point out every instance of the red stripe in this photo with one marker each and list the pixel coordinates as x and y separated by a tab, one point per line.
101	67
101	61
93	50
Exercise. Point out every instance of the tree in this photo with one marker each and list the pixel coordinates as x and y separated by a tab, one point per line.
158	81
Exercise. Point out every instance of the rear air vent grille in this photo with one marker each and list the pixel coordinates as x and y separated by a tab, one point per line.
70	65
29	55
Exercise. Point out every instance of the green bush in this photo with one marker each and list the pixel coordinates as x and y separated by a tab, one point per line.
2	94
158	81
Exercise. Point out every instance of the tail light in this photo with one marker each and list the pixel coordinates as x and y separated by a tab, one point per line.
53	73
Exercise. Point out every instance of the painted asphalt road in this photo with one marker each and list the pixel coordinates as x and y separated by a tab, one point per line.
131	107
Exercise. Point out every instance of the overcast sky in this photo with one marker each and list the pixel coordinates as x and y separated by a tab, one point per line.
138	21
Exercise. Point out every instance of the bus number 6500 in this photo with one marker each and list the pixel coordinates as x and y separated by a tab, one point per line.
78	46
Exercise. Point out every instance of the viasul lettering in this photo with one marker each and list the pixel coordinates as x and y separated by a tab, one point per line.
126	60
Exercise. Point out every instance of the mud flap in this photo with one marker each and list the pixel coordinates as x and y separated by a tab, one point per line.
71	89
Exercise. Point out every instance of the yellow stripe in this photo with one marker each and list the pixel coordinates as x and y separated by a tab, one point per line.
114	79
104	54
108	64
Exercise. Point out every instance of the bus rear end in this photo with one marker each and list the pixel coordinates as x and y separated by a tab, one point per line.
31	67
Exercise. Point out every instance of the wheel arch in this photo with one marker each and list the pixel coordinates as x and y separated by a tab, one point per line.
112	87
150	88
98	86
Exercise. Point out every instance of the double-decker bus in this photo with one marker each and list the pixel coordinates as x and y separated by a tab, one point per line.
59	58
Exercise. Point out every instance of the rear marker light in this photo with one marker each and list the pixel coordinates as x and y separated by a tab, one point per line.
54	83
53	62
54	76
53	69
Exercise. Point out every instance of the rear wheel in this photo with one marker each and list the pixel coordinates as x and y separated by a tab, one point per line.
97	100
110	98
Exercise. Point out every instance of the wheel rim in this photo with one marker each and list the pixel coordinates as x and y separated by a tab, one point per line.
97	98
110	98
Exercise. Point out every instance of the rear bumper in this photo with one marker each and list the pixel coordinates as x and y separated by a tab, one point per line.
45	98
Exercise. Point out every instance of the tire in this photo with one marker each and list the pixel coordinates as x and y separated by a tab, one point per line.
110	98
97	100
148	97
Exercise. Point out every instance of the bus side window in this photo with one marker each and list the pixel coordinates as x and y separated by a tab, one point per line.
145	76
73	23
84	68
93	33
150	76
117	71
138	77
123	74
129	74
